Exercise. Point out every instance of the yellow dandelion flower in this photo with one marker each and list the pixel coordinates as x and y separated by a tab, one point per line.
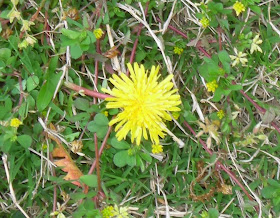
255	43
212	86
15	122
221	114
98	33
144	101
178	50
157	149
204	22
238	7
108	212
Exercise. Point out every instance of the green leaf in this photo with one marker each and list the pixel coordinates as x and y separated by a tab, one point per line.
274	183
213	213
268	192
99	125
120	158
70	33
224	23
76	51
119	144
89	180
32	82
24	140
223	56
146	157
256	9
5	54
81	104
46	93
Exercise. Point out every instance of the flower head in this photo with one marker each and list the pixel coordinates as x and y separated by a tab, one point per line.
255	43
145	103
157	149
178	50
26	25
15	122
120	212
14	13
212	86
29	40
108	212
204	22
238	7
98	33
220	114
239	57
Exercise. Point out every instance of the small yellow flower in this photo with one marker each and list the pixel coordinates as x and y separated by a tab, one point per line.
105	113
212	86
44	147
204	22
108	212
157	149
178	50
144	101
98	33
14	13
15	122
255	43
239	57
238	7
221	114
26	25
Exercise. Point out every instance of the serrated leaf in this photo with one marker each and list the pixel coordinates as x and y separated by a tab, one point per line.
89	180
24	140
119	144
65	161
32	82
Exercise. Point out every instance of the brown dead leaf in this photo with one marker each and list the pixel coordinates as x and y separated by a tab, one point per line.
65	162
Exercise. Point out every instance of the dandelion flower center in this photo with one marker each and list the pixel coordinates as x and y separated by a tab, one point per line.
144	101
